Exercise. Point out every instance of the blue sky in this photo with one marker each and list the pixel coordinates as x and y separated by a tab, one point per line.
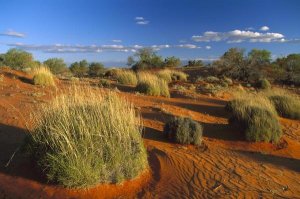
109	31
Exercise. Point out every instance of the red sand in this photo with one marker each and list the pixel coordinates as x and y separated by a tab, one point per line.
225	166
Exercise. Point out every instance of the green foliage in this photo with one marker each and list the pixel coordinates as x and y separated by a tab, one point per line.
259	57
172	62
79	69
195	63
258	119
184	131
18	59
264	84
147	59
286	106
85	138
130	61
56	65
96	69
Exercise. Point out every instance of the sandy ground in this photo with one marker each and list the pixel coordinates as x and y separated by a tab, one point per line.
225	166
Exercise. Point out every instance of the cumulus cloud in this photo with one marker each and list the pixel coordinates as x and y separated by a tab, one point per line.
238	36
117	40
264	28
141	21
208	47
11	33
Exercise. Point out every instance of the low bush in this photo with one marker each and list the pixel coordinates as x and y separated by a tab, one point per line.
184	131
86	137
104	83
127	77
43	76
165	75
257	117
179	76
152	85
172	75
263	84
286	106
212	79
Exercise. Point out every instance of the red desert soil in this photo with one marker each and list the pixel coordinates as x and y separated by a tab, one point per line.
224	167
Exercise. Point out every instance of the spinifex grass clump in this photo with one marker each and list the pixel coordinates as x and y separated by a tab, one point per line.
152	85
86	137
172	75
257	116
286	105
184	131
127	77
43	76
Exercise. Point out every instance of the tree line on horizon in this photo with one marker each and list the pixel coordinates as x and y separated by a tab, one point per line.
234	63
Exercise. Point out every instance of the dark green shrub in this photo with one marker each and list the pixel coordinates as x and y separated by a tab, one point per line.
259	121
184	131
286	106
263	84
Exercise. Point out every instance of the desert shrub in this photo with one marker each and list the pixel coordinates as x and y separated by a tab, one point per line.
212	79
286	106
86	137
172	75
227	80
104	83
257	116
179	76
263	84
43	76
152	85
56	65
112	73
127	77
184	131
165	75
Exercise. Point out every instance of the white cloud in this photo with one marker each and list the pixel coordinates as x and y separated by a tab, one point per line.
64	48
208	47
238	36
117	40
11	33
139	18
142	22
190	46
264	28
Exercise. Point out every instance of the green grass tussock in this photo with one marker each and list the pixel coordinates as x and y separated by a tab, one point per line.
286	105
43	76
86	137
184	131
152	85
257	116
127	77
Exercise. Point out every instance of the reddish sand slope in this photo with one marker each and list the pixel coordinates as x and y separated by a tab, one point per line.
224	167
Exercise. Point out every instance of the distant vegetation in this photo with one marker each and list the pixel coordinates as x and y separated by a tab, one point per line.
252	67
